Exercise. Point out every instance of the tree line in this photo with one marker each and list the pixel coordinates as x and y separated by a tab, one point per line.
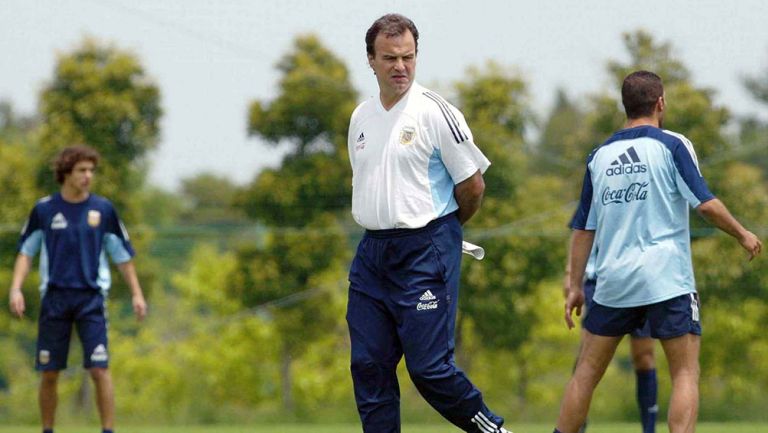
247	284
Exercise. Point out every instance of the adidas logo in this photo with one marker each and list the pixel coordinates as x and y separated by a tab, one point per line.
99	354
361	138
627	163
427	296
58	222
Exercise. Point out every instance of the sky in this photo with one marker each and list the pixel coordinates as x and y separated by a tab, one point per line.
211	59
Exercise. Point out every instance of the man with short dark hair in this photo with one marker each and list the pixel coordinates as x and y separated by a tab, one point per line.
634	207
417	177
74	231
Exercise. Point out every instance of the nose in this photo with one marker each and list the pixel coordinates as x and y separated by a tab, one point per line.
399	64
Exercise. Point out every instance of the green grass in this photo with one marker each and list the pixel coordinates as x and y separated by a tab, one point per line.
410	428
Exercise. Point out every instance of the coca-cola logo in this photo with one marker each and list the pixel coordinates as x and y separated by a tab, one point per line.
431	305
635	191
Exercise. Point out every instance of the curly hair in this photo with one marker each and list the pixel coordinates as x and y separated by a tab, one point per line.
67	159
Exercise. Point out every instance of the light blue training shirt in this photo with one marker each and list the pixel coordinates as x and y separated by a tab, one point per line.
636	192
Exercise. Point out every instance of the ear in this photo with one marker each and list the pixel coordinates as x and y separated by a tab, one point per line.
370	61
661	104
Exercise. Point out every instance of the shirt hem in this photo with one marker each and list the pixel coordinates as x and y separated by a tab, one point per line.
646	302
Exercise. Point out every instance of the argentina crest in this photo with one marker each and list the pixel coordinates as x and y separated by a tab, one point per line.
407	135
94	218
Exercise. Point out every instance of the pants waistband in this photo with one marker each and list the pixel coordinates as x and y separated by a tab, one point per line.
396	233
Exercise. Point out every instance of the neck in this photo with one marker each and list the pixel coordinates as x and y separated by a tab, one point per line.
74	195
389	101
642	121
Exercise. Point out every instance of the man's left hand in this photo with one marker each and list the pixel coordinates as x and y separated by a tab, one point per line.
139	307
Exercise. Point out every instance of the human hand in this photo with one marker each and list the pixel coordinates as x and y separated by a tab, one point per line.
139	306
16	303
752	244
573	301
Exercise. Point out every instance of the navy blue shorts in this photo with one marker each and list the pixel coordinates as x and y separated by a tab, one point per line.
667	319
589	293
62	308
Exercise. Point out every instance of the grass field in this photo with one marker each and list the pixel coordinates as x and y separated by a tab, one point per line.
412	428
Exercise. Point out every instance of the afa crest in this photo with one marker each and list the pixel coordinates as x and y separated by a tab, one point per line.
94	218
407	135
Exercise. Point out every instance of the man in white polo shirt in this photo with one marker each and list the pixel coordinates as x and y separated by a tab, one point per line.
417	177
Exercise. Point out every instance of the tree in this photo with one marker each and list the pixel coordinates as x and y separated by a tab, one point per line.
691	109
753	129
101	96
494	101
209	199
312	114
758	86
305	252
18	150
288	279
521	223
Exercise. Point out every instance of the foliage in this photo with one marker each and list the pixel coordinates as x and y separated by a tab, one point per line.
520	255
312	113
209	199
101	96
249	323
315	102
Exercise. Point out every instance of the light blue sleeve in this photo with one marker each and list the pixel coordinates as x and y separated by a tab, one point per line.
31	245
116	248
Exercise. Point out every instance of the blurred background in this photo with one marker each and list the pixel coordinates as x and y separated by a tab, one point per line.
222	127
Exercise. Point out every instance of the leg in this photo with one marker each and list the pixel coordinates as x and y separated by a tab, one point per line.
647	386
375	355
589	292
54	332
583	428
48	397
596	353
105	396
425	278
92	329
683	357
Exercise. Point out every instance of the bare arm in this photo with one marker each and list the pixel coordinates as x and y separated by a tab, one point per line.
128	270
716	213
469	196
16	297
581	246
567	276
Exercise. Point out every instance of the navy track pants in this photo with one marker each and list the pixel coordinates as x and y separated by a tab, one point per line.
403	296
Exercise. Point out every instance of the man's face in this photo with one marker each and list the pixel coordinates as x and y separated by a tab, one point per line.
394	63
81	176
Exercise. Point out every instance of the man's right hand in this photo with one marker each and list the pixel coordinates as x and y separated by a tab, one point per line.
752	244
573	301
16	302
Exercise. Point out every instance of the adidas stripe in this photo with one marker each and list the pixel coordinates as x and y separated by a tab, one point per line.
484	424
450	118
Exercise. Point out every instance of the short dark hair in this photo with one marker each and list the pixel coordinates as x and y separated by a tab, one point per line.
639	93
69	156
391	25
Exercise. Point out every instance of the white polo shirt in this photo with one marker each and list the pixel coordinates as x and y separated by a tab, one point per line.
406	161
